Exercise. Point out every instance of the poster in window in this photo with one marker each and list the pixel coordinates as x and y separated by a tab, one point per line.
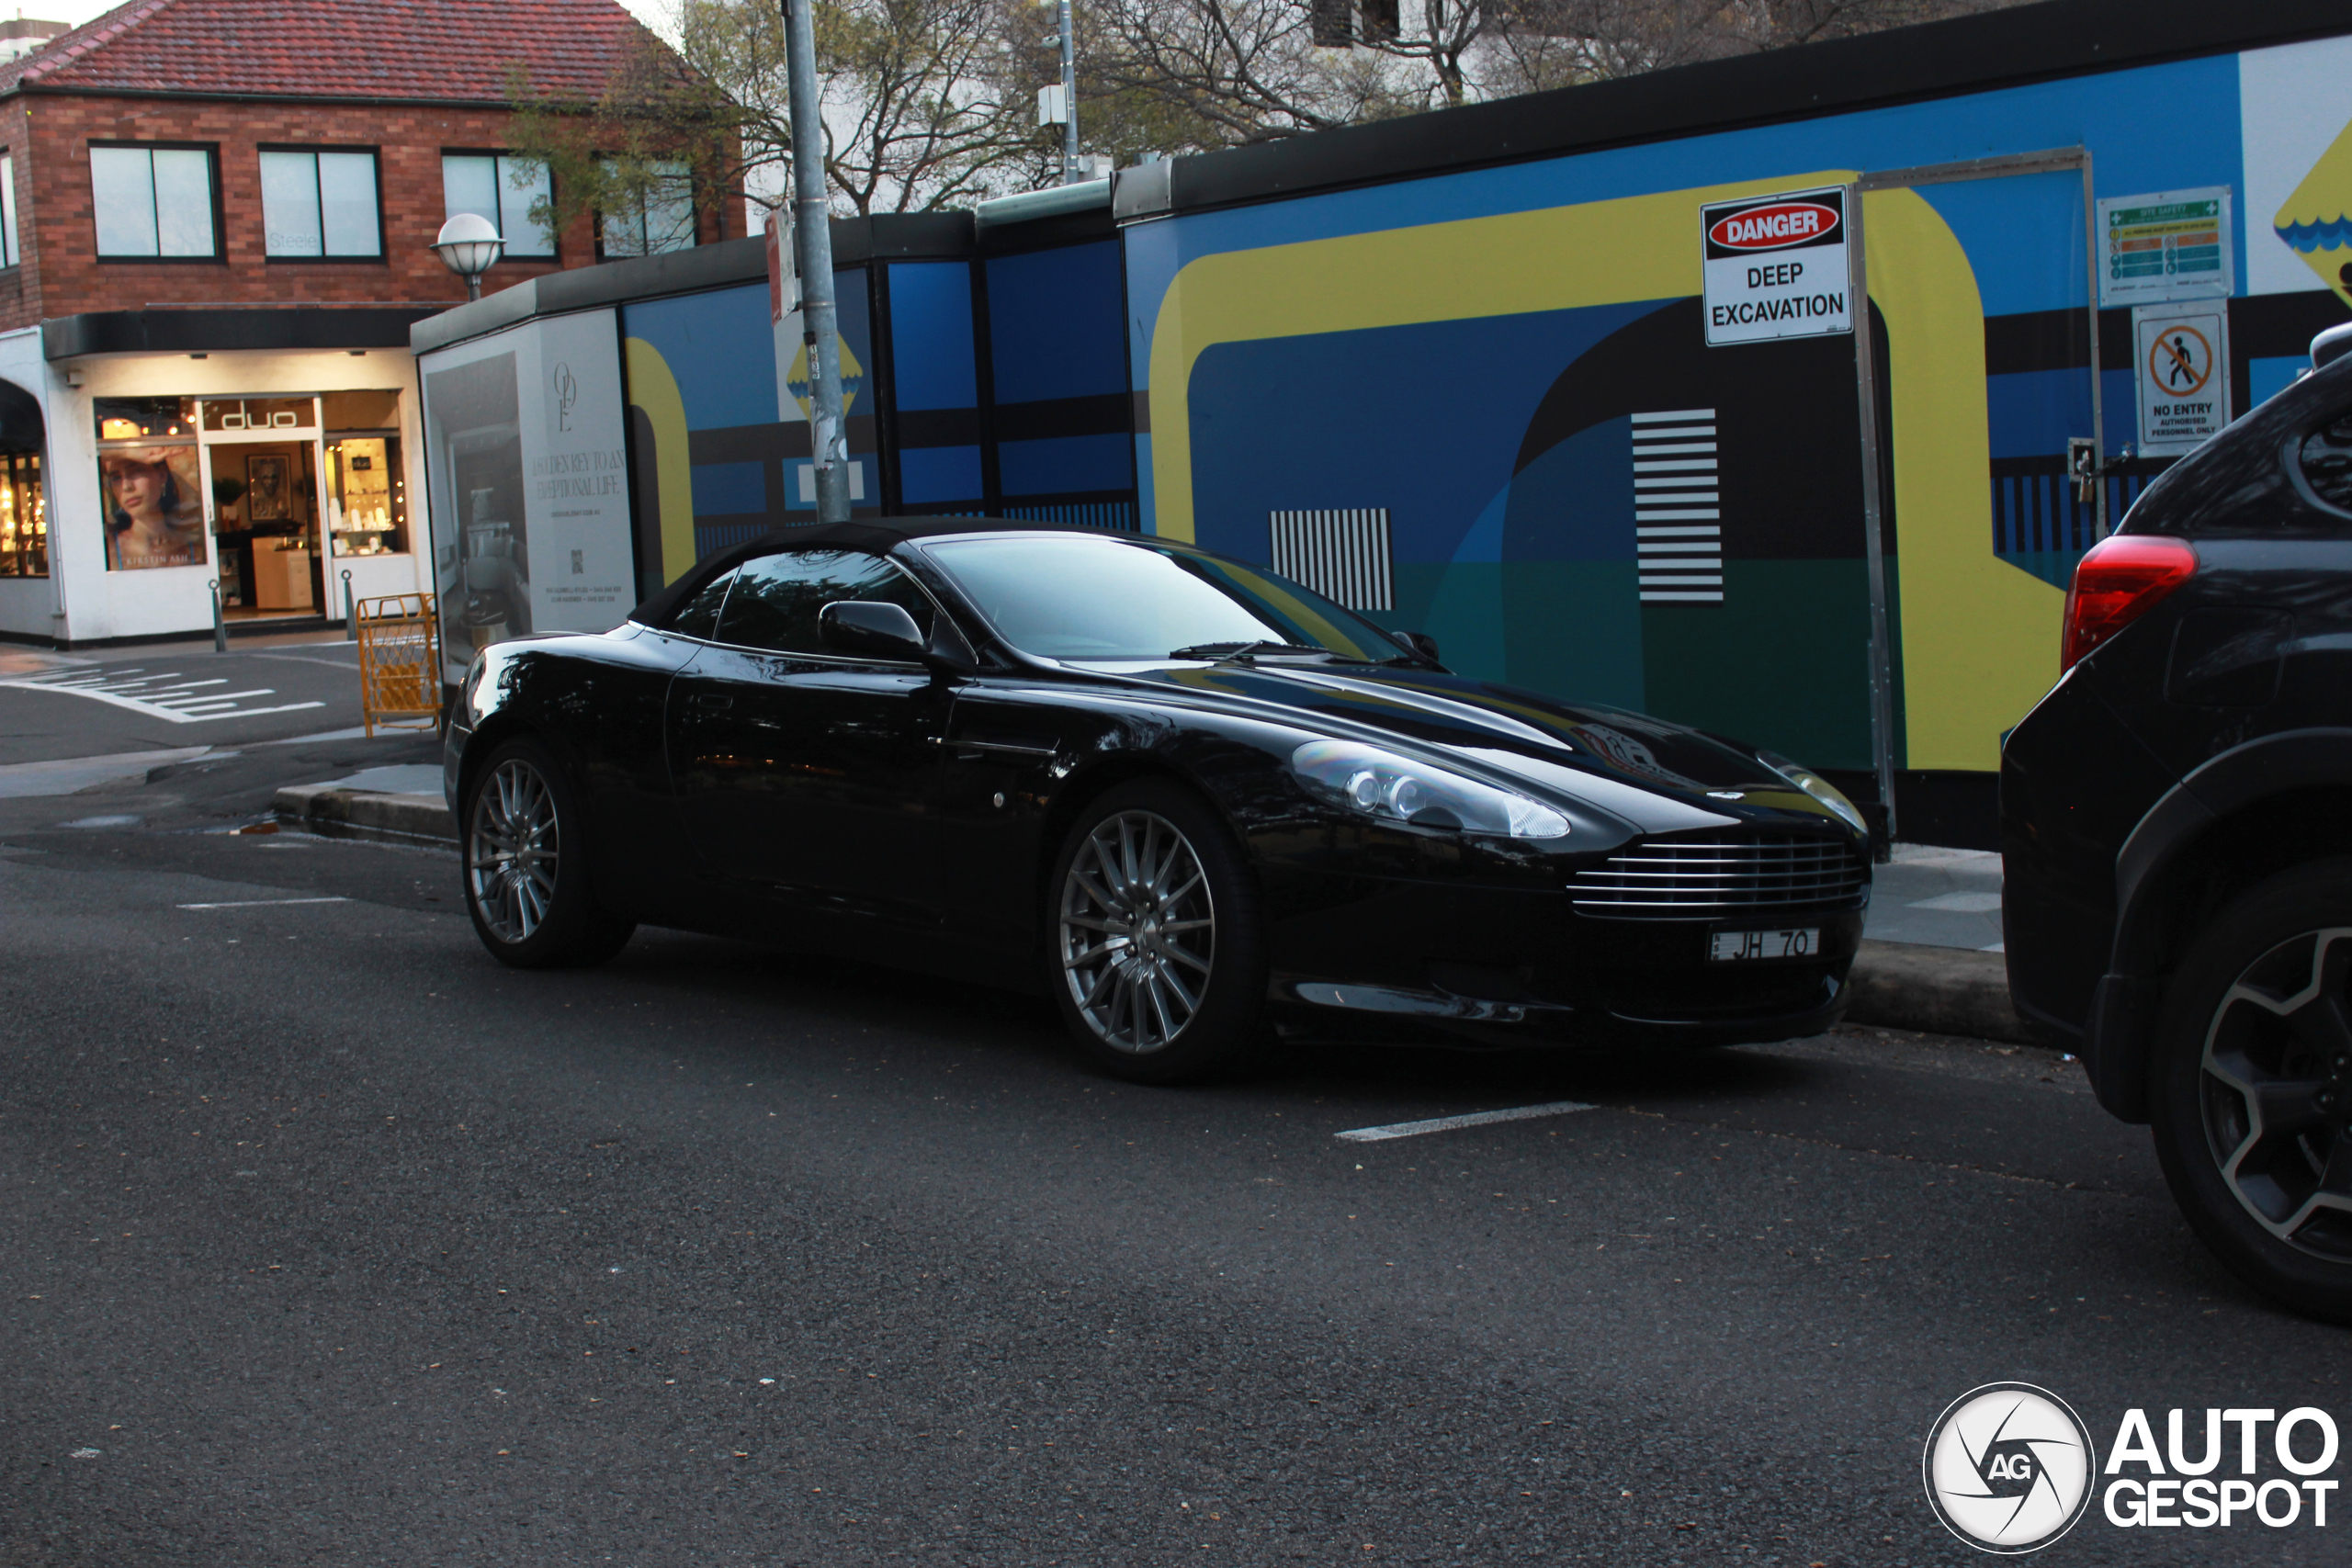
153	515
268	496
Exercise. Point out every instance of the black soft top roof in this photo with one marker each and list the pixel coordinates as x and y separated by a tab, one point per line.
876	533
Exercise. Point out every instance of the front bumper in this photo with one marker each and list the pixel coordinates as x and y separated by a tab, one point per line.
1398	958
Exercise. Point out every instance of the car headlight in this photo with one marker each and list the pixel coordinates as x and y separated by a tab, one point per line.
1814	784
1396	789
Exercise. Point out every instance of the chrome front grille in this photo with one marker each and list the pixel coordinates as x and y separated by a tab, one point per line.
1701	879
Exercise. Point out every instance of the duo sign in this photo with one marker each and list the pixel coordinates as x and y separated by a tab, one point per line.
1776	266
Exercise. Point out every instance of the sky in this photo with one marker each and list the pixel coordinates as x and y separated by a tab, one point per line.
654	14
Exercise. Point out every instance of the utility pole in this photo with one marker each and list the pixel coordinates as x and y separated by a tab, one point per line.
812	232
1070	94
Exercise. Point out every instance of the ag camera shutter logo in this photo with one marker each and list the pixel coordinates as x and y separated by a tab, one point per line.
2009	1468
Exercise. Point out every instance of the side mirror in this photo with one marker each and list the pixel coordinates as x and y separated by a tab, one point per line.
1420	643
871	629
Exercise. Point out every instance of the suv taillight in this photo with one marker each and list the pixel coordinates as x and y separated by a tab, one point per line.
2120	578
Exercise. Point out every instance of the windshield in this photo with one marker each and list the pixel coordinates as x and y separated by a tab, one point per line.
1073	597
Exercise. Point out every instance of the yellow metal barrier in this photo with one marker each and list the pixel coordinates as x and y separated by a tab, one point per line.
400	658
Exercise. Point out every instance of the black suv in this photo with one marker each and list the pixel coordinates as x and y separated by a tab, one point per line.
2177	834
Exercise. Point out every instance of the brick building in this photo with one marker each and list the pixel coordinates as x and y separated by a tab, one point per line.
215	224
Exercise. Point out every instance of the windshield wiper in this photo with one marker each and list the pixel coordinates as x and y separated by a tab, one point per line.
1247	651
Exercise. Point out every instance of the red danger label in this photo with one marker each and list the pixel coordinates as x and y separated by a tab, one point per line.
1770	228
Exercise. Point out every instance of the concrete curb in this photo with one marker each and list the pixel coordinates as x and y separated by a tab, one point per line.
1936	990
362	814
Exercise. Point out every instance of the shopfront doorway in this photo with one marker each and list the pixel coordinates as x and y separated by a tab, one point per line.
261	458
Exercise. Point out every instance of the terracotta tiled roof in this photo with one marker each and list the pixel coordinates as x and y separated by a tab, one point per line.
411	51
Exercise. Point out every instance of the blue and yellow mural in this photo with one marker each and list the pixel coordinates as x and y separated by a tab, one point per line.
715	463
1473	355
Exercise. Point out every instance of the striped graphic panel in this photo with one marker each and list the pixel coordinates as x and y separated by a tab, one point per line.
1115	514
1343	556
1678	516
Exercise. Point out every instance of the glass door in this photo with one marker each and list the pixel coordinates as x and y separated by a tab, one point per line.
262	462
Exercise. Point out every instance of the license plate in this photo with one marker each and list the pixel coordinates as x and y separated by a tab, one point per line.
1731	947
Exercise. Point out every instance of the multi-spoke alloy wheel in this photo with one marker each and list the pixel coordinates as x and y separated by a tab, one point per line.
1138	931
527	864
2275	1092
513	856
2250	1086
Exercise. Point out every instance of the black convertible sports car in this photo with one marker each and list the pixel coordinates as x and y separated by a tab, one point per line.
1191	800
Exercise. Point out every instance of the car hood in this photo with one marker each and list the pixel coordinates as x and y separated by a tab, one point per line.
1655	774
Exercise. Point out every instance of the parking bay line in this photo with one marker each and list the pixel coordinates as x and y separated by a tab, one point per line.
260	903
1448	1123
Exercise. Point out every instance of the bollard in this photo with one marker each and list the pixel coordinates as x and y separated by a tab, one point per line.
350	620
220	626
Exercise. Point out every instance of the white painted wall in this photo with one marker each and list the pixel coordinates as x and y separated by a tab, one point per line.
99	604
28	604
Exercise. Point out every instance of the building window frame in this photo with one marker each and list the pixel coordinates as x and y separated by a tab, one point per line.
211	151
500	161
693	229
24	515
9	254
317	196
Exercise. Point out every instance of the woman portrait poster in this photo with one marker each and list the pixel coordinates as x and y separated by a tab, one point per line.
153	516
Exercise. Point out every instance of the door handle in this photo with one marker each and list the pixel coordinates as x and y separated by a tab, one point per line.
710	700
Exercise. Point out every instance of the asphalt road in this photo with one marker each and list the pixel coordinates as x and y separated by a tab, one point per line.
327	1240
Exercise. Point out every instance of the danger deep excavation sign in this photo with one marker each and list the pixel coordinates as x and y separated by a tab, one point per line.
1776	266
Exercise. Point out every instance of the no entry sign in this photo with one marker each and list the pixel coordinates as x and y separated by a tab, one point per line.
2184	375
1776	266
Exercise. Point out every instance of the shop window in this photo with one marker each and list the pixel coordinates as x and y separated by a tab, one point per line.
8	209
319	206
362	410
154	202
663	221
145	419
367	495
503	190
24	516
152	509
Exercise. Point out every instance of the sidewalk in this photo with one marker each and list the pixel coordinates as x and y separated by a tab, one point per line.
1931	956
399	804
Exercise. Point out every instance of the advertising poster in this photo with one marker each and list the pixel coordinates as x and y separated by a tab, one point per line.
527	483
154	510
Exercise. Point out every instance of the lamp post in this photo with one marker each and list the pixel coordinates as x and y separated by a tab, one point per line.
820	331
467	245
1065	22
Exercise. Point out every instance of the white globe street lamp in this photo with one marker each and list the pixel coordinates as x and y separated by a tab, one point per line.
467	245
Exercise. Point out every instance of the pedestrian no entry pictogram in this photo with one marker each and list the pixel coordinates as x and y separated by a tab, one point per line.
2183	370
1775	266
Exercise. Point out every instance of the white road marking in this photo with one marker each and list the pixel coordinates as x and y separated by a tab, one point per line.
259	903
157	695
1448	1123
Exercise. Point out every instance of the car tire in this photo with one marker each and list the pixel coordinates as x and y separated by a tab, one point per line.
525	866
1156	954
2251	1088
